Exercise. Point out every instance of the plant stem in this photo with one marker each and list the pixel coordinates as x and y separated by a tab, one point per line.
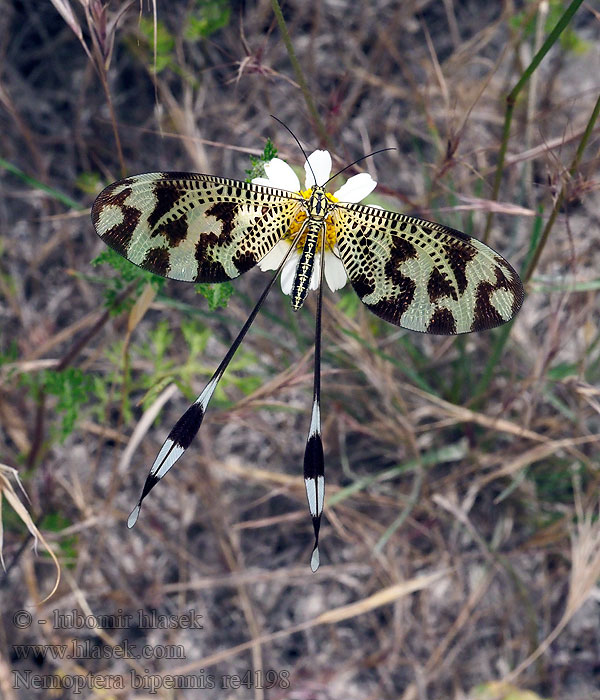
563	192
512	98
36	184
300	75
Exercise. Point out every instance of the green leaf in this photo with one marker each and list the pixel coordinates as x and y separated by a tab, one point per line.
10	354
525	21
258	162
207	17
37	185
165	43
89	183
247	384
196	336
563	370
72	389
217	295
161	339
56	522
349	303
128	272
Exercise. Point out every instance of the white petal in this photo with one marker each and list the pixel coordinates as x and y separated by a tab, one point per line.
320	162
289	273
281	175
335	274
357	188
262	181
273	258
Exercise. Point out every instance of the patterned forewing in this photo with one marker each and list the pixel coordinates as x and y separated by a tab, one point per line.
424	276
192	227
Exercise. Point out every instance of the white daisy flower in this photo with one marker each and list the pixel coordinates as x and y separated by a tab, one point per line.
280	174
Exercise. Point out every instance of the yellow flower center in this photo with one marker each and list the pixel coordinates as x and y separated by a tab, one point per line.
299	220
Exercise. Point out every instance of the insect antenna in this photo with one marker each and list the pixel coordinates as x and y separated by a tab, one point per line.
374	153
299	145
184	431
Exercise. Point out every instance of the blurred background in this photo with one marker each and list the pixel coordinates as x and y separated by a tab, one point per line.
460	546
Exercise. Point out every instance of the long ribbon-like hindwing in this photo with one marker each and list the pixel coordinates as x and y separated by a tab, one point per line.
184	431
413	273
314	462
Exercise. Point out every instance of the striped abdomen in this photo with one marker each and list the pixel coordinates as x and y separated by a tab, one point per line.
306	263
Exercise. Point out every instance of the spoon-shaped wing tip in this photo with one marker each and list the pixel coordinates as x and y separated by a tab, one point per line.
133	516
315	560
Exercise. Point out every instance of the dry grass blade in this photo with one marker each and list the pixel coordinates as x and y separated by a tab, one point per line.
432	666
441	452
140	307
534	455
8	492
388	595
585	572
66	12
460	413
143	425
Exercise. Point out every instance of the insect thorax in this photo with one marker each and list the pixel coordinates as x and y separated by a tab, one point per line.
318	206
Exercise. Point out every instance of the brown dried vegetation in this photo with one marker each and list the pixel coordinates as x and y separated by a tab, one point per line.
461	544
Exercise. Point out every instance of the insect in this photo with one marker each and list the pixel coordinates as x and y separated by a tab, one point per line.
413	273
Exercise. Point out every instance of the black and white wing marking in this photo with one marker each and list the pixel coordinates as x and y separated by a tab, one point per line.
424	276
192	227
199	228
